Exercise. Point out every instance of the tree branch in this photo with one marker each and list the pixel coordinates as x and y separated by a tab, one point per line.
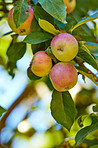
80	63
29	90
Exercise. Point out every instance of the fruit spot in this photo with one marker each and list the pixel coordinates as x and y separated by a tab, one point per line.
67	88
60	49
22	30
70	1
16	5
27	11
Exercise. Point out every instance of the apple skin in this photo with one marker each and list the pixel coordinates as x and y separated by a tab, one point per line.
64	47
71	4
24	28
41	64
63	76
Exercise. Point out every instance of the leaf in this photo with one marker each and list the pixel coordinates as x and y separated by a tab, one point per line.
84	132
37	37
35	26
93	47
16	51
11	66
46	79
39	12
37	47
95	108
90	44
63	109
88	58
45	25
87	130
20	15
56	8
31	75
83	71
90	18
2	110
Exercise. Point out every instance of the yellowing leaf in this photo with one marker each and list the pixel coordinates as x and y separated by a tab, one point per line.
88	19
45	25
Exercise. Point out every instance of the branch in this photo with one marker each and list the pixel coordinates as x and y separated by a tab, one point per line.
80	63
29	90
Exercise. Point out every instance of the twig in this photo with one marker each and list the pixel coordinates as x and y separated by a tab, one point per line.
80	63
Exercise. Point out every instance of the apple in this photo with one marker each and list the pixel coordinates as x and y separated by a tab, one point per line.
71	4
64	47
41	64
24	28
63	76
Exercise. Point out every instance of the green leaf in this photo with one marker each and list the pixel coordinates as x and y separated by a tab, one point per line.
63	109
88	58
95	108
90	44
56	8
35	26
87	130
11	66
83	71
16	51
46	79
39	12
93	47
20	15
37	47
37	37
84	132
31	75
48	27
2	110
90	18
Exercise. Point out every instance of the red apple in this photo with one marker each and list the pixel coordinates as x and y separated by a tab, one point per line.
63	76
24	28
41	64
64	47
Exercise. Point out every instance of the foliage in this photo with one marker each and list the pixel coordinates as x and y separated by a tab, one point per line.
50	19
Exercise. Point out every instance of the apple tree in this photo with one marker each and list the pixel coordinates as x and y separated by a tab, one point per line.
64	46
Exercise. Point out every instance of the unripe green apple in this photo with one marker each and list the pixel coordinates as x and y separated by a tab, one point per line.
24	28
63	76
64	47
71	4
41	64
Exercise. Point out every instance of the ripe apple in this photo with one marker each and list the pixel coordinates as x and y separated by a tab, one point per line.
63	76
24	28
71	4
41	64
64	47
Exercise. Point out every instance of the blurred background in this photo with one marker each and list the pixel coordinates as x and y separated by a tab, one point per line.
28	122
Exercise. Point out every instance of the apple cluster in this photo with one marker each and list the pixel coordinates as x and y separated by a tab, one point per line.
64	46
63	74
